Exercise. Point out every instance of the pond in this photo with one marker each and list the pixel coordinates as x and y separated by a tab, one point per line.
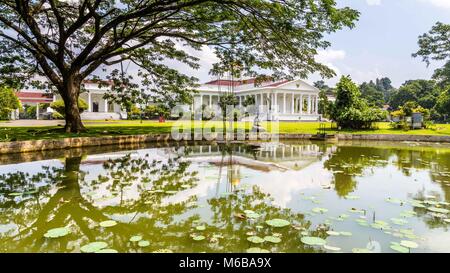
262	197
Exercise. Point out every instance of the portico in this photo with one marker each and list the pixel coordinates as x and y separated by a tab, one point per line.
286	100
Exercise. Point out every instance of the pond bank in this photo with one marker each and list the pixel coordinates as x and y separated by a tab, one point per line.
78	142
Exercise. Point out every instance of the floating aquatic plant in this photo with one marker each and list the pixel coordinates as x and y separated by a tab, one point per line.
57	232
255	239
108	223
93	247
278	223
313	241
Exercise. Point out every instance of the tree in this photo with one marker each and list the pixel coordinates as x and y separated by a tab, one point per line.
8	102
350	111
60	107
67	41
443	104
423	92
442	76
371	93
435	45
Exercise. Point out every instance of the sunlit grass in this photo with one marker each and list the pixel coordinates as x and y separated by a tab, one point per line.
107	128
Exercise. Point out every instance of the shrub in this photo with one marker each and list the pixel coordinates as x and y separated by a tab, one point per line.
350	111
59	106
156	111
8	102
56	115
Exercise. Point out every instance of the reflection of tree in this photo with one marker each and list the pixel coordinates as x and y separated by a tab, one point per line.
135	191
348	162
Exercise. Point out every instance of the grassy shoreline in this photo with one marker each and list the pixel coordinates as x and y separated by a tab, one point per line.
110	128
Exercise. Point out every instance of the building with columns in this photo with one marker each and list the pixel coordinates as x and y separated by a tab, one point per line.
98	107
285	100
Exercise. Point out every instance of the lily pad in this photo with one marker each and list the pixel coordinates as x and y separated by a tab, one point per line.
272	239
57	232
252	215
108	223
439	210
200	228
163	250
333	233
93	247
107	250
409	244
320	210
332	248
278	223
143	243
255	239
198	238
257	250
345	233
313	241
399	248
399	222
135	238
352	197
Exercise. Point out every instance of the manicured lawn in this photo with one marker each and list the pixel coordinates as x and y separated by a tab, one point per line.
104	128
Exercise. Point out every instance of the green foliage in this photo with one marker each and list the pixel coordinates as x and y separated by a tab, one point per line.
370	91
59	107
435	45
134	113
8	102
69	41
350	111
423	92
56	115
156	111
443	103
442	76
250	100
324	104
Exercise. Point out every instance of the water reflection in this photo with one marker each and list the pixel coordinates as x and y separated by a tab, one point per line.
165	194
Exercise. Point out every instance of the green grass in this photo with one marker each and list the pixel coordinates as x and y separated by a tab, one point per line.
103	128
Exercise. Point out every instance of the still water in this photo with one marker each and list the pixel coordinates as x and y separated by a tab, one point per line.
285	197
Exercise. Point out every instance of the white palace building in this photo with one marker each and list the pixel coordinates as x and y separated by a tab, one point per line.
288	100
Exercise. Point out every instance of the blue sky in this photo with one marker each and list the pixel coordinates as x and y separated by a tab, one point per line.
380	45
384	39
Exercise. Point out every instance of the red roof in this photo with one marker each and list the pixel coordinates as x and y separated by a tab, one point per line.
41	97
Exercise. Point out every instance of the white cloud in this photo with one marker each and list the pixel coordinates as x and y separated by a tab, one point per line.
438	3
373	2
329	57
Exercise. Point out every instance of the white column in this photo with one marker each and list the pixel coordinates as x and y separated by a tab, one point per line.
309	104
284	103
293	103
37	110
106	106
317	105
301	104
275	95
201	102
89	102
210	101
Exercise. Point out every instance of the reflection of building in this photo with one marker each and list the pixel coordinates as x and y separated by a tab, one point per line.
269	157
287	100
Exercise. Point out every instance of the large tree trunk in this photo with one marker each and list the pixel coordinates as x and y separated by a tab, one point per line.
70	94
